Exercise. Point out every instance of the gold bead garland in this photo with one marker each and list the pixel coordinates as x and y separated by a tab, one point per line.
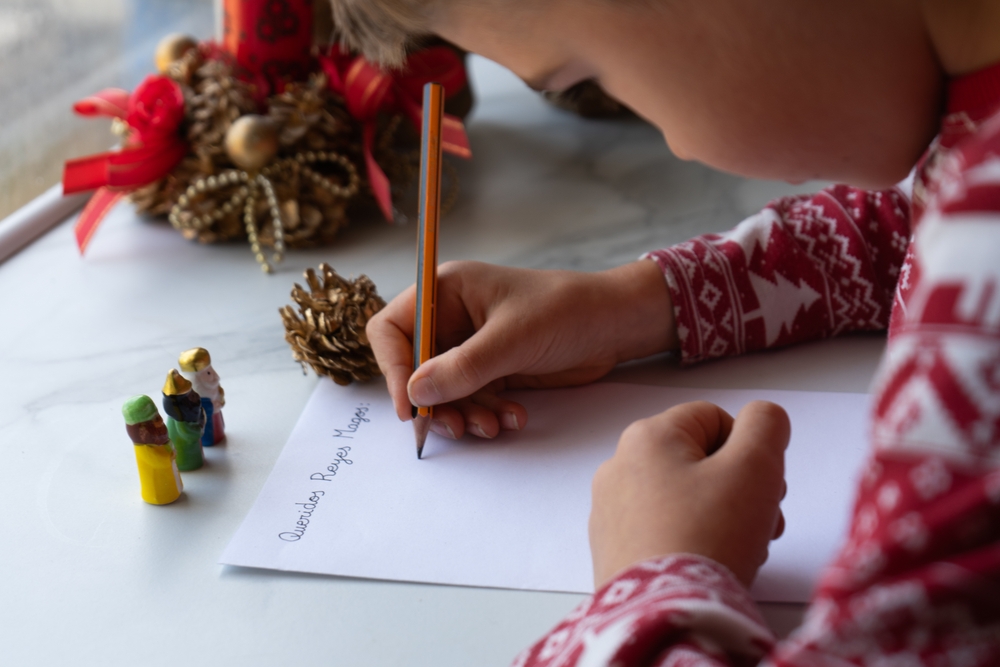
249	190
249	219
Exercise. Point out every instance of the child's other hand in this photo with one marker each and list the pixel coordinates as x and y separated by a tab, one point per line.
692	480
503	328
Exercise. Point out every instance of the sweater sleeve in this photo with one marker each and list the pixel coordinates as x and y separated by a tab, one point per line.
917	582
804	268
677	611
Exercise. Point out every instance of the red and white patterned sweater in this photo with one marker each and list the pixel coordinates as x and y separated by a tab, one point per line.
918	580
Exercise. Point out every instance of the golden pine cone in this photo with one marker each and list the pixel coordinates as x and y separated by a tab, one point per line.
328	332
214	99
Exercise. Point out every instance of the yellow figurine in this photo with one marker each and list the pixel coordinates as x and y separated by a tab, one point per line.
154	453
196	366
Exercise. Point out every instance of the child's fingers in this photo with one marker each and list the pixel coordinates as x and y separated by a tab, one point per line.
390	333
689	432
448	421
453	420
708	425
465	369
512	416
756	447
479	421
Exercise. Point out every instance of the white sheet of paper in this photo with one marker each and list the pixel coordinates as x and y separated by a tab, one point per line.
348	496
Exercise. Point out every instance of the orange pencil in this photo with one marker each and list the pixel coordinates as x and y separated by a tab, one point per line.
425	317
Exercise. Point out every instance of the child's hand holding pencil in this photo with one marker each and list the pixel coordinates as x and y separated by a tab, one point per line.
503	328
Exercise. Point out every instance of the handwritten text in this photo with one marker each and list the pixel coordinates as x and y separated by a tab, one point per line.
302	523
359	418
334	467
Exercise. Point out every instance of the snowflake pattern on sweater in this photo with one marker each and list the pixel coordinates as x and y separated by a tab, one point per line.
918	579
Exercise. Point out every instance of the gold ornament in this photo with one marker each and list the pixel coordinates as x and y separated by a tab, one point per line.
171	49
252	142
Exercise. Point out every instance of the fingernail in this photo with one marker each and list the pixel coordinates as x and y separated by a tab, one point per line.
442	428
424	392
510	421
479	431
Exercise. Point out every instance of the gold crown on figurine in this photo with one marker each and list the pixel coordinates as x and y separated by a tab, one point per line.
176	384
194	360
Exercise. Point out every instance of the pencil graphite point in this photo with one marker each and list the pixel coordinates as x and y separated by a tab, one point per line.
421	425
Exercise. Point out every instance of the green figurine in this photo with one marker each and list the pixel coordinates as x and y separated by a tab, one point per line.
185	420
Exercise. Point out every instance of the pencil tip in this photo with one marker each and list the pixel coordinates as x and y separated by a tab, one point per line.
421	425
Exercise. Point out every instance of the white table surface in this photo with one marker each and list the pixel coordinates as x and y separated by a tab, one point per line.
91	575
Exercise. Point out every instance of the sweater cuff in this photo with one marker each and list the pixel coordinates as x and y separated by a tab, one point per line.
683	601
697	327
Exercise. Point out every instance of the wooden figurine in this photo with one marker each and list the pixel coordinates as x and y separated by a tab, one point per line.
196	366
185	420
154	453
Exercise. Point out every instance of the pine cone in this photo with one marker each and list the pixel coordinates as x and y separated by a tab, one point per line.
312	118
330	334
215	99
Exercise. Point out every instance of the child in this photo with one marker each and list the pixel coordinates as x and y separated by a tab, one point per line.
846	90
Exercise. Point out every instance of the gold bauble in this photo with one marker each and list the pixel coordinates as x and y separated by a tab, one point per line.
171	49
251	142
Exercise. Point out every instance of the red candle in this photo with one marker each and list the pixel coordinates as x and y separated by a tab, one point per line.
270	37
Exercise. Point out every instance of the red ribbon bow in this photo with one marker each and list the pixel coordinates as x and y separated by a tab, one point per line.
369	90
153	148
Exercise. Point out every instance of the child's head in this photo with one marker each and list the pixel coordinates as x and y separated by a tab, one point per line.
845	90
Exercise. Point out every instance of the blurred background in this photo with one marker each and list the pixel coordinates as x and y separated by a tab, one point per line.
55	52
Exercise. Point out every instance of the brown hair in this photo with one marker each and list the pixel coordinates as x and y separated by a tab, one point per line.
382	30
